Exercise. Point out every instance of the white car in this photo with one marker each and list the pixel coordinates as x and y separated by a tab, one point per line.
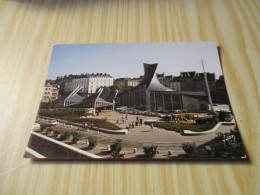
52	122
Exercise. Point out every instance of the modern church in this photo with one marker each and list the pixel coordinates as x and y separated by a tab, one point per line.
150	94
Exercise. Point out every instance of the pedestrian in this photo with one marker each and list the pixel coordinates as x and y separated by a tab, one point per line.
137	118
141	122
133	125
136	123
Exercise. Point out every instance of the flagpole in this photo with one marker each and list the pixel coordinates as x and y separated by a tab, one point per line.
207	86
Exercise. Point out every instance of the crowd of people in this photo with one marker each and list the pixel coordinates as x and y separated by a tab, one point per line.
178	119
131	124
137	122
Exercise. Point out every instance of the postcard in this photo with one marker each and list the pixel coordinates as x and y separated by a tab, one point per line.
134	101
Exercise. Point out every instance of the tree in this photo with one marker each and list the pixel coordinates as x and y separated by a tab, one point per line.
151	150
92	142
43	127
117	146
233	145
190	149
56	133
65	135
76	137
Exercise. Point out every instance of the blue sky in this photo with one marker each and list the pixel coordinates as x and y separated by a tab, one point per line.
126	60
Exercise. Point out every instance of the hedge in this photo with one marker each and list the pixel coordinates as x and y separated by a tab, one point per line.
168	125
74	116
205	120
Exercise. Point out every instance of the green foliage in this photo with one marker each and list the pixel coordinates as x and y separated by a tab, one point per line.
65	135
188	116
108	91
43	126
56	133
74	116
65	114
100	123
168	125
151	150
92	142
76	137
206	120
190	148
223	115
116	147
52	104
49	129
233	146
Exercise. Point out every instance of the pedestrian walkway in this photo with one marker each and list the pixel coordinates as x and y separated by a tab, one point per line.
145	134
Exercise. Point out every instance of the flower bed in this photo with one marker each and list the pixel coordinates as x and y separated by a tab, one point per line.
180	127
74	117
186	114
187	122
100	123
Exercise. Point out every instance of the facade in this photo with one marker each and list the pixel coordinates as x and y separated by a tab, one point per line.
50	92
68	86
220	83
150	94
188	81
175	84
91	82
168	80
127	82
192	81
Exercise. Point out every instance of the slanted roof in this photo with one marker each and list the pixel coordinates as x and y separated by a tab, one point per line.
75	98
99	99
150	79
155	85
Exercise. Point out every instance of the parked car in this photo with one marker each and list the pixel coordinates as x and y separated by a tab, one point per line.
52	122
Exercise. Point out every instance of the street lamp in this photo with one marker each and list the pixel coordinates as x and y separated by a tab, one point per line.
207	86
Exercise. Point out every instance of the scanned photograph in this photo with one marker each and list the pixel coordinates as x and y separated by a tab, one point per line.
151	101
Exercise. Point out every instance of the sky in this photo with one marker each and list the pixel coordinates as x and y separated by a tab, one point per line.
126	59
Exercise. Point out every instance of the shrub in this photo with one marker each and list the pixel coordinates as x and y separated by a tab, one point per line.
92	142
151	150
65	135
100	123
208	119
213	120
56	133
48	130
223	115
179	127
74	116
116	147
43	127
201	120
76	137
233	146
189	148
